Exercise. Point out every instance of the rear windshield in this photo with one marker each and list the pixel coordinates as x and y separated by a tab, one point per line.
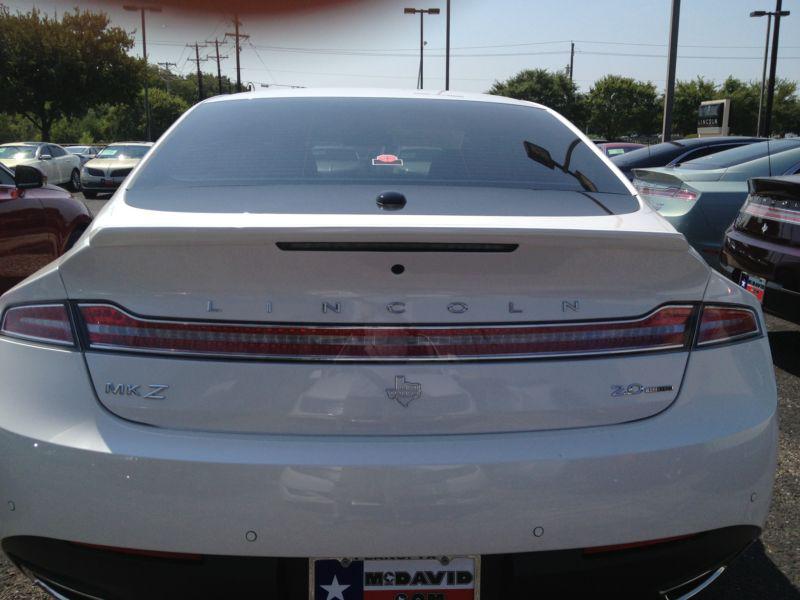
123	152
742	154
369	140
76	149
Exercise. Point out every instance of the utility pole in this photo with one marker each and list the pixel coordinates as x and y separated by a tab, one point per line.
447	51
166	66
422	12
669	93
142	8
198	60
773	63
219	71
236	35
571	58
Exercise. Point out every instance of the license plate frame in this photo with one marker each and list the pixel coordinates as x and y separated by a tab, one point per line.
754	284
351	569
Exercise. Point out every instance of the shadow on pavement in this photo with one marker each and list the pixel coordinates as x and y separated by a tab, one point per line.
785	347
752	576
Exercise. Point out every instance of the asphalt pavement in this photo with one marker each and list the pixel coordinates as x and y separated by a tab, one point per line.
768	570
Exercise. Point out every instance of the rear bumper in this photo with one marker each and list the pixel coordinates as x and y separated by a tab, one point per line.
77	571
72	471
778	264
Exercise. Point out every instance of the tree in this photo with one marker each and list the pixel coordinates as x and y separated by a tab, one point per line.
165	108
554	90
621	106
60	68
786	108
744	104
688	96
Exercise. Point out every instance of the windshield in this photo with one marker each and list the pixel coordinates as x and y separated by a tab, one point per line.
17	152
742	154
77	149
123	152
359	140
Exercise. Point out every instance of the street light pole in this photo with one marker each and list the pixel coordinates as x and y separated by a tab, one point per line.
669	93
422	12
777	13
447	50
142	8
762	13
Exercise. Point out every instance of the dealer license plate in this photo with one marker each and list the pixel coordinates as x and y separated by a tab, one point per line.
395	579
754	285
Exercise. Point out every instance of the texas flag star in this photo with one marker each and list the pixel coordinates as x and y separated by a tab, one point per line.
335	589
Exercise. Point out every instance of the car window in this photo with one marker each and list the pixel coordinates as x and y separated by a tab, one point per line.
17	152
76	149
6	178
57	151
123	152
742	154
386	140
707	151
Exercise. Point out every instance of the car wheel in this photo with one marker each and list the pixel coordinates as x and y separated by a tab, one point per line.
74	184
89	195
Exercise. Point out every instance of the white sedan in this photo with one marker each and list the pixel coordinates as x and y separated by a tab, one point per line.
351	345
59	166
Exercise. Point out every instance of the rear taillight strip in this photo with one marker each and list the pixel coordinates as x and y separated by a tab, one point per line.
47	323
773	213
110	328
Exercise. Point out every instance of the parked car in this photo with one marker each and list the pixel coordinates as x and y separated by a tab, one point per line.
762	248
85	153
619	148
677	152
260	358
111	166
38	223
59	166
702	197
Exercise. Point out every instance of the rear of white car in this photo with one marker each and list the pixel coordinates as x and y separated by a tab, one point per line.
384	325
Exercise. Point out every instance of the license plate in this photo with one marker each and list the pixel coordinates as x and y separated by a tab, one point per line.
754	285
108	182
395	578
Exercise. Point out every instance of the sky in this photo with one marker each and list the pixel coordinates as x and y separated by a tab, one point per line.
373	44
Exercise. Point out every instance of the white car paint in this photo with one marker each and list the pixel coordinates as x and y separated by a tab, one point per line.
340	471
51	159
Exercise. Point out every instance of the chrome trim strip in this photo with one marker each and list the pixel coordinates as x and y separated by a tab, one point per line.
46	586
707	578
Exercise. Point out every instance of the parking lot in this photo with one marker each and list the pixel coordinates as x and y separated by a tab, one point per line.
768	570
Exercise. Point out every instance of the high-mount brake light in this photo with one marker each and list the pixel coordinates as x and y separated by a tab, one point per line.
110	328
47	323
719	324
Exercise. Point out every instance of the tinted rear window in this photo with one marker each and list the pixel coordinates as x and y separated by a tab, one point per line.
742	154
369	140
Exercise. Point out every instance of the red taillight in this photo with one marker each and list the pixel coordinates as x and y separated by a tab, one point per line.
47	323
668	192
724	324
110	328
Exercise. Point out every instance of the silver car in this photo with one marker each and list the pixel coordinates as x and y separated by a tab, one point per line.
105	172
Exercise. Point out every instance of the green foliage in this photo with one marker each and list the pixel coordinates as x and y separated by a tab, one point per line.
622	106
744	104
60	68
688	96
554	90
165	108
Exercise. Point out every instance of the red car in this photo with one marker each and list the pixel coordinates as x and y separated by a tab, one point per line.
38	223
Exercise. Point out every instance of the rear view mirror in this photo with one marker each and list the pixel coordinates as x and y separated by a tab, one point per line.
26	178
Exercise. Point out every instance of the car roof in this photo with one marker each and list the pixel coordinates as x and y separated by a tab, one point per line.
22	144
369	93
